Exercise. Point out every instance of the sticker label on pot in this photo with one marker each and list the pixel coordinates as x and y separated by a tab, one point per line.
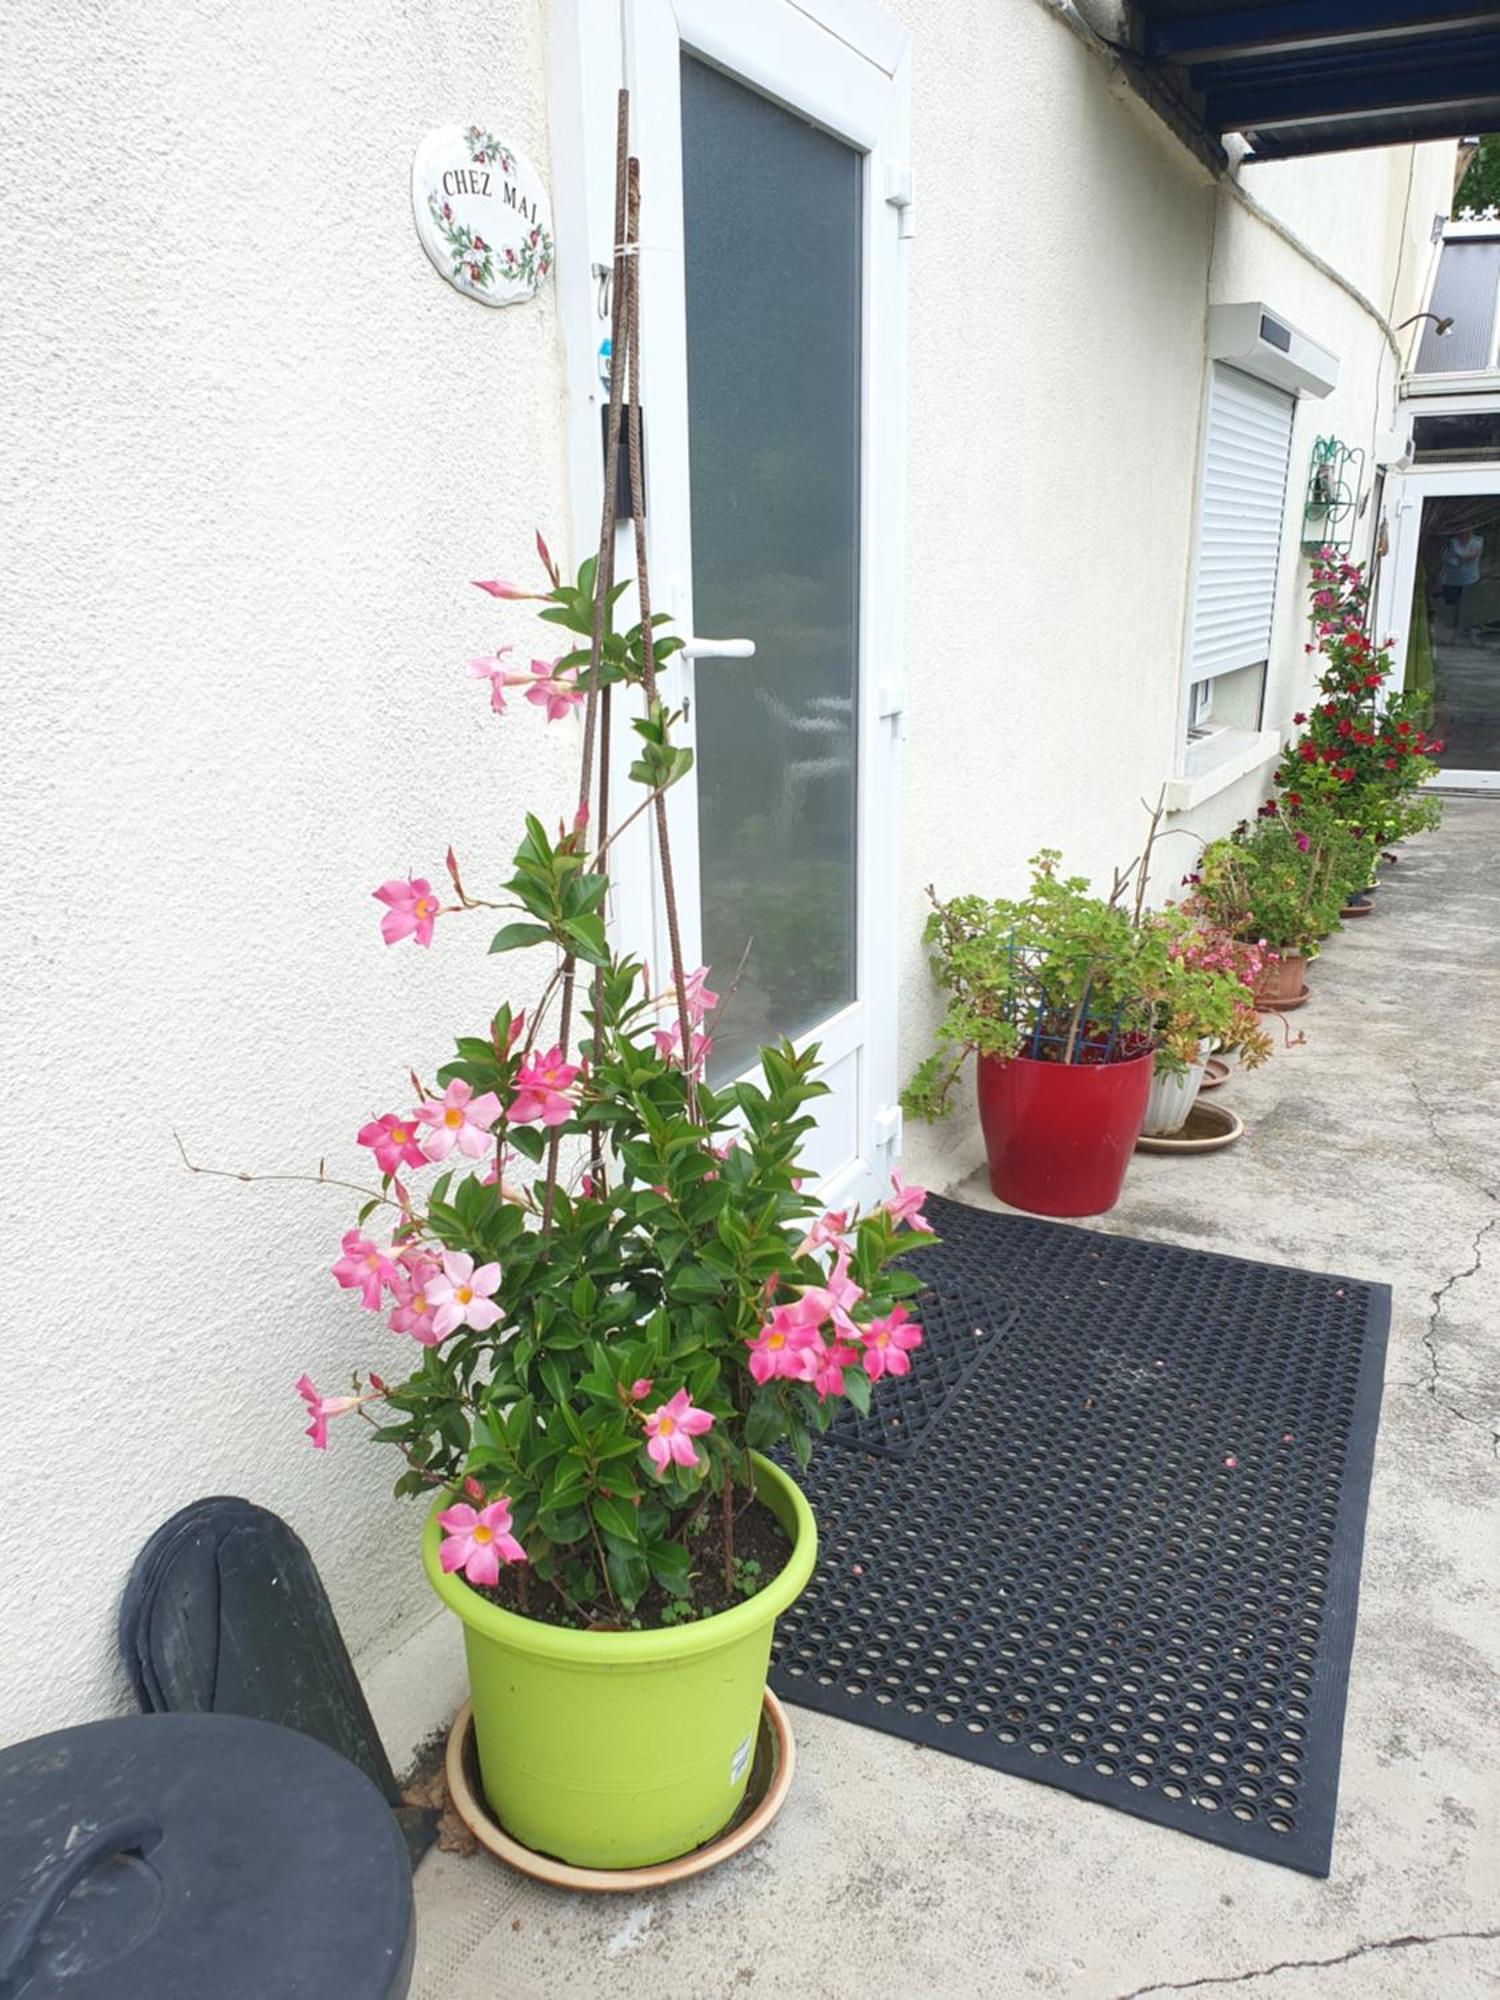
738	1762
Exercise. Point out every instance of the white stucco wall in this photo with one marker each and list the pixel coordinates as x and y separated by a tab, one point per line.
259	448
256	449
1068	251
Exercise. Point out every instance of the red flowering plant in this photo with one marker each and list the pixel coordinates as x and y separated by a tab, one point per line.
1362	748
616	1286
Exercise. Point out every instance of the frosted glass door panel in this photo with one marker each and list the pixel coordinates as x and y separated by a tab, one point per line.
771	214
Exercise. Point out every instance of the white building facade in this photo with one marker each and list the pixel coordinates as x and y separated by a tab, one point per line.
975	402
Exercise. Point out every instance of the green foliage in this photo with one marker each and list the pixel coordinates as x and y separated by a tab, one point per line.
1480	186
660	1274
1061	975
666	1224
1262	884
1364	755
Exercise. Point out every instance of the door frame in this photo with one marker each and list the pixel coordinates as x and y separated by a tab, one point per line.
1399	572
844	65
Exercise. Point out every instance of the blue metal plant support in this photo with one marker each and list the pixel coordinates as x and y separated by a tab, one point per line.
1331	508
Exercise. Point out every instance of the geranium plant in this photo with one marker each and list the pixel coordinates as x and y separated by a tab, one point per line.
1208	994
1058	975
1362	747
1272	883
616	1283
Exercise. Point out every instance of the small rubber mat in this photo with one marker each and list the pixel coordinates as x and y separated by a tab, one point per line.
1123	1557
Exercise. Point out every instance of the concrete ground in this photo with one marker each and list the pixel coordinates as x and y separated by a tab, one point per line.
1374	1148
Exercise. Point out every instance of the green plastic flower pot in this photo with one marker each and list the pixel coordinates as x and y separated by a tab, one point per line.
618	1749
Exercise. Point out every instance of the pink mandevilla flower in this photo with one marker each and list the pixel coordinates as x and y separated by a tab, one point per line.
905	1204
499	676
823	1363
364	1267
833	1300
776	1350
888	1343
696	996
321	1408
670	1430
411	909
669	1046
827	1233
477	1543
460	1295
542	1087
497	588
556	691
394	1142
458	1118
413	1311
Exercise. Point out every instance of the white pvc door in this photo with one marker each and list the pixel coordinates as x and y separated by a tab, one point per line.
772	224
1440	600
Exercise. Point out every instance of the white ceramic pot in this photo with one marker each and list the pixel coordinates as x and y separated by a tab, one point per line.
1173	1096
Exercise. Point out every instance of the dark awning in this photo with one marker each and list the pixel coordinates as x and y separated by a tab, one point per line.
1323	76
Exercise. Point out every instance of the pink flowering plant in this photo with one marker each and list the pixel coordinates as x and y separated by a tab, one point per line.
1207	993
614	1280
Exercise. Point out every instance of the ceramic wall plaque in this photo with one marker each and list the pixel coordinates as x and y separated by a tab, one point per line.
482	214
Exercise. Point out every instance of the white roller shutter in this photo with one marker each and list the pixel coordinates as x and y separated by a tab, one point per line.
1246	449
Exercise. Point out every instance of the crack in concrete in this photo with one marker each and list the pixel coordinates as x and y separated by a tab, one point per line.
1429	1339
1406	1943
1433	1378
1455	1171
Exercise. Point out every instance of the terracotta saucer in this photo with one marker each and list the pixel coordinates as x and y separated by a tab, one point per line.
1216	1073
765	1793
1357	910
1208	1127
1284	1006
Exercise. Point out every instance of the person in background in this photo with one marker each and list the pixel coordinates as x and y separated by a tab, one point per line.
1462	553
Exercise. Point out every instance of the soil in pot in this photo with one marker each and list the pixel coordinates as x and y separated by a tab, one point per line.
762	1549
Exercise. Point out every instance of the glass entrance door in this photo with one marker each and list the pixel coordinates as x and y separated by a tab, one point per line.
1451	600
771	222
773	384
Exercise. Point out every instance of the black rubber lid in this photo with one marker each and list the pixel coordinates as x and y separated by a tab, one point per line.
197	1857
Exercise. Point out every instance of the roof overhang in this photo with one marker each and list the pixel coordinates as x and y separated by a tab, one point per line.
1323	76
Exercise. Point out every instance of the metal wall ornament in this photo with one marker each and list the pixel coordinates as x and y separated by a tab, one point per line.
482	215
1332	505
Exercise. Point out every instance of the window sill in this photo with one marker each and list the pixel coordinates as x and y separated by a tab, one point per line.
1217	762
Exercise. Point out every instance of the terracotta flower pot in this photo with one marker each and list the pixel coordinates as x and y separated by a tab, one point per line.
1283	985
1059	1135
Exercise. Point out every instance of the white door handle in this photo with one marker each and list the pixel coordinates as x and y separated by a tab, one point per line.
718	649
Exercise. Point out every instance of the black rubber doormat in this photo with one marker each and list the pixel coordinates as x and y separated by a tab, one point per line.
1124	1558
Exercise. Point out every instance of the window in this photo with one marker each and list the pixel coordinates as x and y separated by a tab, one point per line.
1460	434
1247	444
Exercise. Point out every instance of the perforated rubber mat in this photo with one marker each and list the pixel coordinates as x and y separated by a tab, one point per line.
1123	1558
958	1325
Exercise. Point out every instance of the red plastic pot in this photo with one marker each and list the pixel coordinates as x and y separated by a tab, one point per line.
1059	1135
